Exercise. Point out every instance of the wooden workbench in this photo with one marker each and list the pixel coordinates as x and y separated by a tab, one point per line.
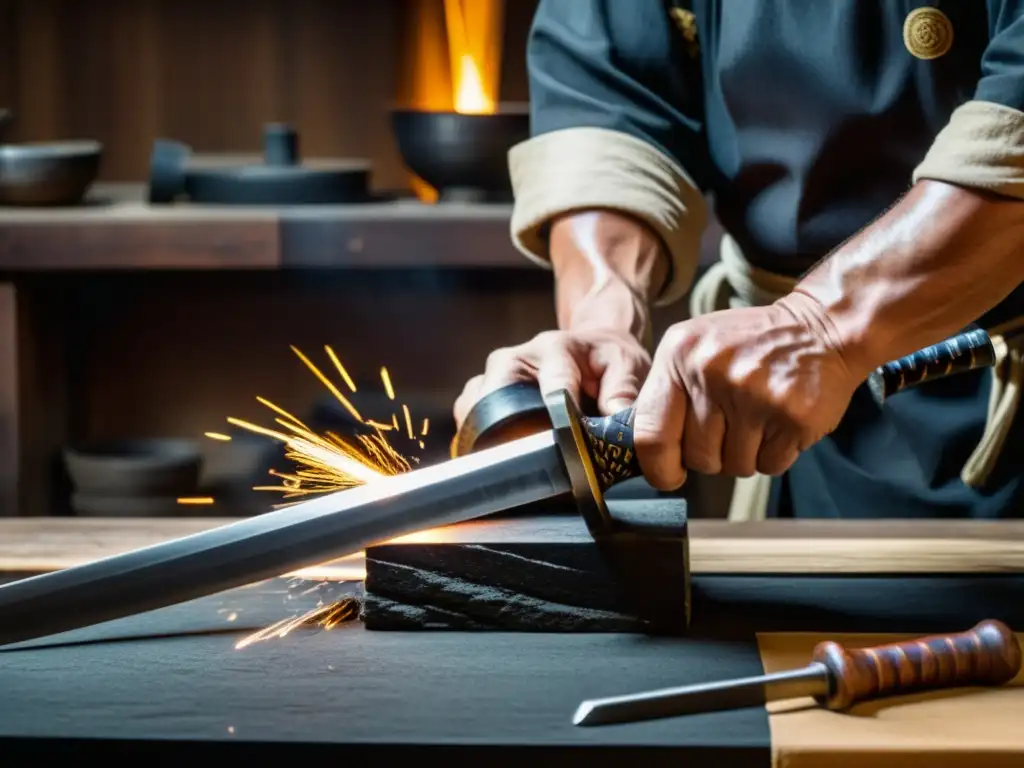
716	547
118	230
764	593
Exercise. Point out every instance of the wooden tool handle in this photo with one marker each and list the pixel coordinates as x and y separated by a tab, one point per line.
964	352
610	444
989	654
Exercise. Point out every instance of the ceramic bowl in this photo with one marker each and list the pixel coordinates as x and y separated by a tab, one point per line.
135	468
464	157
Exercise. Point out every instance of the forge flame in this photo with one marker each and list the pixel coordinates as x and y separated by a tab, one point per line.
470	96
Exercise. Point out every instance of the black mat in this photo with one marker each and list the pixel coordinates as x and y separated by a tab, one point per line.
169	685
471	698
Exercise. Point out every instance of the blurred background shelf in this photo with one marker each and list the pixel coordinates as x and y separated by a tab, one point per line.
123	320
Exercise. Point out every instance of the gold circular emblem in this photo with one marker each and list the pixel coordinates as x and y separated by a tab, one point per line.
927	33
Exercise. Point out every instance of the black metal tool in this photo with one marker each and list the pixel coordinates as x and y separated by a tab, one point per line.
281	179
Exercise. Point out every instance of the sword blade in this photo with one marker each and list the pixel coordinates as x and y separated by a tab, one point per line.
282	541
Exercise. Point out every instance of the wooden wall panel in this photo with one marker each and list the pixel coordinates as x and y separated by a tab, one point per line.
10	401
211	73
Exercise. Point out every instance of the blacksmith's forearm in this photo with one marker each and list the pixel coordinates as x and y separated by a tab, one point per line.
937	261
608	269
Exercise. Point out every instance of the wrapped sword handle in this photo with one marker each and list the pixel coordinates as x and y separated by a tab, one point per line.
610	438
610	445
987	655
964	352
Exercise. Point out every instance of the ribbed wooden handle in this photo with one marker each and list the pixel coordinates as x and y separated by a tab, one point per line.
964	352
610	444
989	654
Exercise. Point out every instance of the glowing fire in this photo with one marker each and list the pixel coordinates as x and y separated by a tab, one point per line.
465	74
470	97
474	34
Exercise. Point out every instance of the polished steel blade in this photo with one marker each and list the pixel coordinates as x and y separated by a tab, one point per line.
283	541
704	697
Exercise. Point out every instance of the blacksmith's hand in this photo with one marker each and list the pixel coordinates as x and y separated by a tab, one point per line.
741	391
606	365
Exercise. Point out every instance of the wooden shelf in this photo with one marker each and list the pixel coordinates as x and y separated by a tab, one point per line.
117	229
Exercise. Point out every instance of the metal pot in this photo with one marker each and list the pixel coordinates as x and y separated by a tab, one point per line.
281	179
46	173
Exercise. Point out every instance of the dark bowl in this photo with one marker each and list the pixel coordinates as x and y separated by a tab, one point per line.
48	173
153	467
463	157
86	505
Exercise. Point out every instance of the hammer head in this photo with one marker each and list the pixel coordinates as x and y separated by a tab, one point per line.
645	546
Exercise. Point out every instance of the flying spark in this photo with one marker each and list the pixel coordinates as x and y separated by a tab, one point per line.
324	617
326	463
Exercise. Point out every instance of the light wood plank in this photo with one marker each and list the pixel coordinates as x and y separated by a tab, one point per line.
716	547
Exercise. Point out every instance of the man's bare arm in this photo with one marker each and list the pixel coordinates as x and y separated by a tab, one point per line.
608	268
935	262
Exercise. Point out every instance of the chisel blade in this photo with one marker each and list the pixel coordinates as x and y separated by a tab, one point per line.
704	697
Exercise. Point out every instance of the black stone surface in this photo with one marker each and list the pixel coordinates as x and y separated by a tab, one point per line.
540	574
170	685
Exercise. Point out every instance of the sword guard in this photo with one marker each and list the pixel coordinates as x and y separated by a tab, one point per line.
597	450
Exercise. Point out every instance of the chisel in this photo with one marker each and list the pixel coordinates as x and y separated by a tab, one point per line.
837	677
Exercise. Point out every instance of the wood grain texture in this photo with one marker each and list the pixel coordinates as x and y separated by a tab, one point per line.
9	400
33	395
119	231
125	72
986	655
979	728
716	547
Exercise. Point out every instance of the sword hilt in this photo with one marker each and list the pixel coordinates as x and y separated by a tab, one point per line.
610	445
967	351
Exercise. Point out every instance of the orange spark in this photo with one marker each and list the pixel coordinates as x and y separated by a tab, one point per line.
196	500
325	617
281	411
327	463
386	378
340	368
330	385
408	421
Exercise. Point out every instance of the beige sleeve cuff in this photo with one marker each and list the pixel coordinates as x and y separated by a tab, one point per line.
586	168
981	147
